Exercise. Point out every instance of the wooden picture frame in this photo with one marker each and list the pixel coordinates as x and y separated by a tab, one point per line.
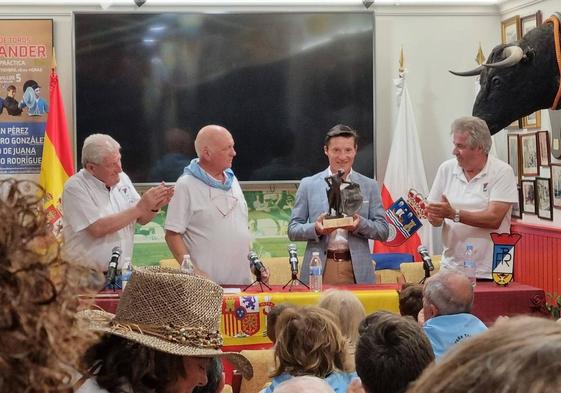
510	30
556	184
543	198
517	207
529	22
515	125
544	149
528	196
529	155
533	120
513	142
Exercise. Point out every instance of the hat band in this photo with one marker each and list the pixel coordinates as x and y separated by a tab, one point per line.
189	336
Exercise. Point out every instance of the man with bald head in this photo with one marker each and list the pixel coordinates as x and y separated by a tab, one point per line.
447	301
304	384
207	216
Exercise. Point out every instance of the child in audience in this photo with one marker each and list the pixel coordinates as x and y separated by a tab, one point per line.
349	312
310	343
272	317
411	300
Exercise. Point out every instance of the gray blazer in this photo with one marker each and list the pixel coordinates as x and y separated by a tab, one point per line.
311	201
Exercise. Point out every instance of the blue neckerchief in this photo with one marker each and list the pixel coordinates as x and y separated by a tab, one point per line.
195	169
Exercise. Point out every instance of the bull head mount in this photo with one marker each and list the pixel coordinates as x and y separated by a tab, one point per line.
519	78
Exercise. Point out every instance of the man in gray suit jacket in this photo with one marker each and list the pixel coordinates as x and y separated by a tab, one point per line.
344	252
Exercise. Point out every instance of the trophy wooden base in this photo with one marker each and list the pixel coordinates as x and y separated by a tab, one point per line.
337	222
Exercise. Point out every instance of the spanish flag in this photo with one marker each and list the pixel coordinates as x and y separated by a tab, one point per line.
56	165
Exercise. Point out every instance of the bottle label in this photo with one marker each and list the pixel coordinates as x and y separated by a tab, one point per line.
315	270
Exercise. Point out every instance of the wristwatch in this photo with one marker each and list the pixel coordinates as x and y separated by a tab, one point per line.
456	215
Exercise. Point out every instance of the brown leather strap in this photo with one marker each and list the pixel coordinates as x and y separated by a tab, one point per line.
339	255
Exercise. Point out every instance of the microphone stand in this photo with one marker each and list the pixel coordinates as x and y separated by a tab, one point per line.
113	284
427	270
294	281
257	280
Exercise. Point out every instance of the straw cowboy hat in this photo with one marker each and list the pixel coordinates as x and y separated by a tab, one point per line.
170	311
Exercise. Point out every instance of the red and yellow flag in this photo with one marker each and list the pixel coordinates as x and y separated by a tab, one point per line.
57	165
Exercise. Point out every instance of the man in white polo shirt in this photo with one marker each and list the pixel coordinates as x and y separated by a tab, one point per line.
208	217
471	197
101	206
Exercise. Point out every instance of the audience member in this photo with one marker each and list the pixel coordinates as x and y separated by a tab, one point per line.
411	300
215	378
344	252
520	355
304	384
162	339
208	217
447	301
349	311
272	317
310	343
101	206
40	342
391	352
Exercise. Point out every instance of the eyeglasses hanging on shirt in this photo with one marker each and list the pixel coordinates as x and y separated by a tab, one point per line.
224	201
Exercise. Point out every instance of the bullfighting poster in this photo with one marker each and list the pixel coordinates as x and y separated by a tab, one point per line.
26	48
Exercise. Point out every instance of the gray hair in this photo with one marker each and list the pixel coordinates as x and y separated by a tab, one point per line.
304	384
98	146
477	130
446	295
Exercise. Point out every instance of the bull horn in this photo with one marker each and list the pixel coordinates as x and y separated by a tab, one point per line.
513	56
474	72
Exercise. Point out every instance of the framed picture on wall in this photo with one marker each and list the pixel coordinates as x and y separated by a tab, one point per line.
529	154
514	154
533	120
510	30
543	148
515	125
543	198
528	196
529	22
516	210
556	184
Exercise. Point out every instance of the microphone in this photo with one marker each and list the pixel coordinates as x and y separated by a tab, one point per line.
256	265
113	263
293	258
424	253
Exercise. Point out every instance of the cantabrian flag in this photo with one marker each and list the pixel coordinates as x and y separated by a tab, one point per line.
56	165
405	170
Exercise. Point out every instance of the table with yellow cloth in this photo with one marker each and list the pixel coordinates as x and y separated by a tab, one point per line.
244	314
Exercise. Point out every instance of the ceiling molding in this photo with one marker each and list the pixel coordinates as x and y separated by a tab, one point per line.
510	6
490	10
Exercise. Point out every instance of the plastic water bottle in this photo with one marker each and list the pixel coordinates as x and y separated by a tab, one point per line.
469	264
187	265
126	272
315	273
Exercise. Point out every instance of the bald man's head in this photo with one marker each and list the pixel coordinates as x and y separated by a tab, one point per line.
449	291
304	384
215	148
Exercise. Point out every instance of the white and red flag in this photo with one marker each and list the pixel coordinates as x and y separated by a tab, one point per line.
405	171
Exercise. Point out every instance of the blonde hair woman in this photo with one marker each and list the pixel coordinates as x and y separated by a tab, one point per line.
349	312
309	342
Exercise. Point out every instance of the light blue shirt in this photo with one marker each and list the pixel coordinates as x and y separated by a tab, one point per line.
445	331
